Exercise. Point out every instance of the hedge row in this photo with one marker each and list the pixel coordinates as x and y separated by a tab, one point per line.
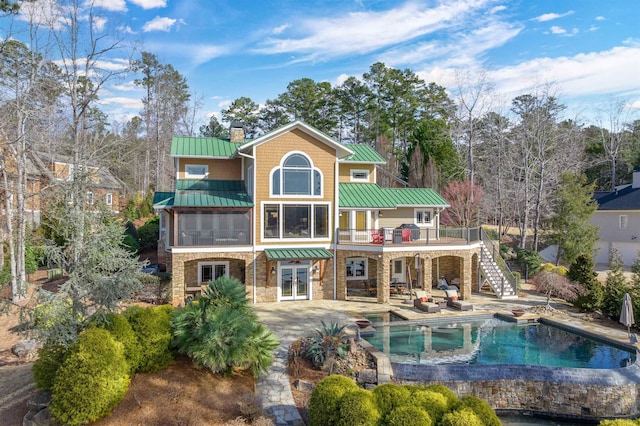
338	401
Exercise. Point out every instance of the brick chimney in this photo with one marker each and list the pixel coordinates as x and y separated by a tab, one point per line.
236	132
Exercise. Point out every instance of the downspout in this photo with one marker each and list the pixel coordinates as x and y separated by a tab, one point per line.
253	220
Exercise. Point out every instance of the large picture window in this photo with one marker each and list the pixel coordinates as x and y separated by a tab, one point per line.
296	221
296	176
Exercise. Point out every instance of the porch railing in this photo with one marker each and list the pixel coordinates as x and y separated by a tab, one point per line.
446	235
221	237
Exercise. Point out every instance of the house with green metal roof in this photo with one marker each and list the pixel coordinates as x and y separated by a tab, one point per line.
296	215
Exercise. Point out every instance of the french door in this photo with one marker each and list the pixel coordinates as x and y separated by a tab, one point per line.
295	280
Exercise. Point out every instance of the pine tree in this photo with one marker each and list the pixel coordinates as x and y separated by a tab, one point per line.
581	271
616	286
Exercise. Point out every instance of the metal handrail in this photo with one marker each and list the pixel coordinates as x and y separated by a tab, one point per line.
498	259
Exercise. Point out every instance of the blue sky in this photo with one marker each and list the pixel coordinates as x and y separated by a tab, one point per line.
590	49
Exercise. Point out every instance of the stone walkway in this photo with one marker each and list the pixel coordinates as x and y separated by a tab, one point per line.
292	320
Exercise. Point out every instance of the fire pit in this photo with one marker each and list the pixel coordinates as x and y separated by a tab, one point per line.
518	312
363	323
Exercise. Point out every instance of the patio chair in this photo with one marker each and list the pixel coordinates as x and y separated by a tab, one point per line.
376	237
422	304
454	303
406	235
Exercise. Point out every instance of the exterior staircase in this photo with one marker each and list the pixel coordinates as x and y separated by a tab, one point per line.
495	272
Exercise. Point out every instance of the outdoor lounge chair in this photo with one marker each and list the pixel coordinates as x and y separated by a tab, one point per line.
377	237
422	304
454	303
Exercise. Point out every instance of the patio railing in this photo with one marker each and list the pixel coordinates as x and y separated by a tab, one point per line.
446	235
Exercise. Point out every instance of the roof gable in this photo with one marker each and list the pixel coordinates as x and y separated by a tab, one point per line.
182	146
341	150
363	153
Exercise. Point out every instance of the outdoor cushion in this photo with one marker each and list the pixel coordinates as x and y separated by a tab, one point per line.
451	293
423	299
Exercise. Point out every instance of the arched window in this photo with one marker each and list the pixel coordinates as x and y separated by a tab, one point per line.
296	176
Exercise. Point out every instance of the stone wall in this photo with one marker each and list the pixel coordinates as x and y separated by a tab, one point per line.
567	392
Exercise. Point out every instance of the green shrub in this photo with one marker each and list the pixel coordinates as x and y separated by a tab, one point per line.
357	408
491	233
328	344
325	399
434	403
131	243
390	396
530	260
482	409
408	415
220	331
620	422
121	330
152	326
91	381
452	398
130	229
461	417
149	233
45	368
131	211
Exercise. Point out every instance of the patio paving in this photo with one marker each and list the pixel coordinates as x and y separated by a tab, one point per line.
291	320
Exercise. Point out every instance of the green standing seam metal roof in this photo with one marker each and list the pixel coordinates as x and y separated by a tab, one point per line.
363	154
163	199
205	193
182	146
370	195
298	253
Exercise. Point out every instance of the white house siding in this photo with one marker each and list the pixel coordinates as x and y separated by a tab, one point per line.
626	240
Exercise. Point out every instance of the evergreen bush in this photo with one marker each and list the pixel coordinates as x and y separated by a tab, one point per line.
592	292
357	408
530	260
434	403
408	415
620	422
482	409
325	399
121	330
91	381
149	233
152	326
615	288
452	398
461	417
390	396
50	357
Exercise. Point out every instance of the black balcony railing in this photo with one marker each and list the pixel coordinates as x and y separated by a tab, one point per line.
446	235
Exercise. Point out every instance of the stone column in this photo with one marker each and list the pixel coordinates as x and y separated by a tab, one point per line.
383	278
426	273
177	281
465	279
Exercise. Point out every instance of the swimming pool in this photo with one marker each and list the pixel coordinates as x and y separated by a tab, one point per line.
491	341
383	317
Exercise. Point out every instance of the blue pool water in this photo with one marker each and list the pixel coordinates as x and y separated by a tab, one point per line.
383	317
493	341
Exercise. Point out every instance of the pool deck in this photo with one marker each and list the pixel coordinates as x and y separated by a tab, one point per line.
292	320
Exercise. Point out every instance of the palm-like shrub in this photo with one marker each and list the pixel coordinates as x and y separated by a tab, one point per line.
220	331
328	344
92	379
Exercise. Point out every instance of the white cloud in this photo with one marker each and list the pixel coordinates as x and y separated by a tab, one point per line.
43	12
323	38
127	103
551	16
280	29
150	4
633	105
593	28
99	23
129	86
126	29
112	5
600	18
557	30
224	104
498	9
195	54
611	71
159	24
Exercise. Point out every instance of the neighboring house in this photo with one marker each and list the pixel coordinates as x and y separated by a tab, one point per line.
618	217
104	189
295	215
